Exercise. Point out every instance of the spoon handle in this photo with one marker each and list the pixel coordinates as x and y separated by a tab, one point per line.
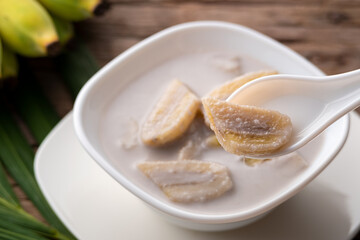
344	94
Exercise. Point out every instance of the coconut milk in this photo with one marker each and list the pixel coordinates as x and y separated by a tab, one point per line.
122	119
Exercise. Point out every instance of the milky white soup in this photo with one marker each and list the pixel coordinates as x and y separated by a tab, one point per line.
121	122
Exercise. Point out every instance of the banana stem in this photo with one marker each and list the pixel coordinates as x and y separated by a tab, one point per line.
101	8
76	65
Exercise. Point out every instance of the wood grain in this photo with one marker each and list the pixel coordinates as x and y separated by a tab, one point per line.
323	32
248	2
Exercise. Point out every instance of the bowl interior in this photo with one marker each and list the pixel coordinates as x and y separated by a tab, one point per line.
187	38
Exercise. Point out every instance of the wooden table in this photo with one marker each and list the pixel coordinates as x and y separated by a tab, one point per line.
326	32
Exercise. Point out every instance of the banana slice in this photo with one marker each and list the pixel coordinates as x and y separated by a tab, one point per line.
188	181
212	142
251	162
171	116
224	91
189	151
247	130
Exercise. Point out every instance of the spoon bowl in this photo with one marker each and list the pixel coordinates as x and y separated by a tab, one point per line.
312	103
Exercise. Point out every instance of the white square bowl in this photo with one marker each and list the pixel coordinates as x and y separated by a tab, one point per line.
171	42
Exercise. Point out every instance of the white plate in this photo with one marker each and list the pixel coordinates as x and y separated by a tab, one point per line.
94	206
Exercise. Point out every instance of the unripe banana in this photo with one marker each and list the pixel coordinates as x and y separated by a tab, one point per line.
27	28
64	29
75	10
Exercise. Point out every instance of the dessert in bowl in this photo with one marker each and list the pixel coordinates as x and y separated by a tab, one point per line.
111	110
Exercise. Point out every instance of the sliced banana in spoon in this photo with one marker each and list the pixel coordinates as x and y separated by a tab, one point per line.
171	116
247	130
188	180
223	91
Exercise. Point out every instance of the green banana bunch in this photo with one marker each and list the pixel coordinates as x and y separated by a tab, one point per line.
27	28
75	10
64	29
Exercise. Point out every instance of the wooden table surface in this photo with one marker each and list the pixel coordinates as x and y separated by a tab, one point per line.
326	32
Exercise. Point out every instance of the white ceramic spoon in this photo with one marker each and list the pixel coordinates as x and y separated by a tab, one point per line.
312	103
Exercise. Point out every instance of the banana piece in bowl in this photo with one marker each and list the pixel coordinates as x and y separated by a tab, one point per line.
171	116
188	180
247	130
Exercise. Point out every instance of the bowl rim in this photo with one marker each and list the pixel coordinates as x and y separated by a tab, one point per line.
153	201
